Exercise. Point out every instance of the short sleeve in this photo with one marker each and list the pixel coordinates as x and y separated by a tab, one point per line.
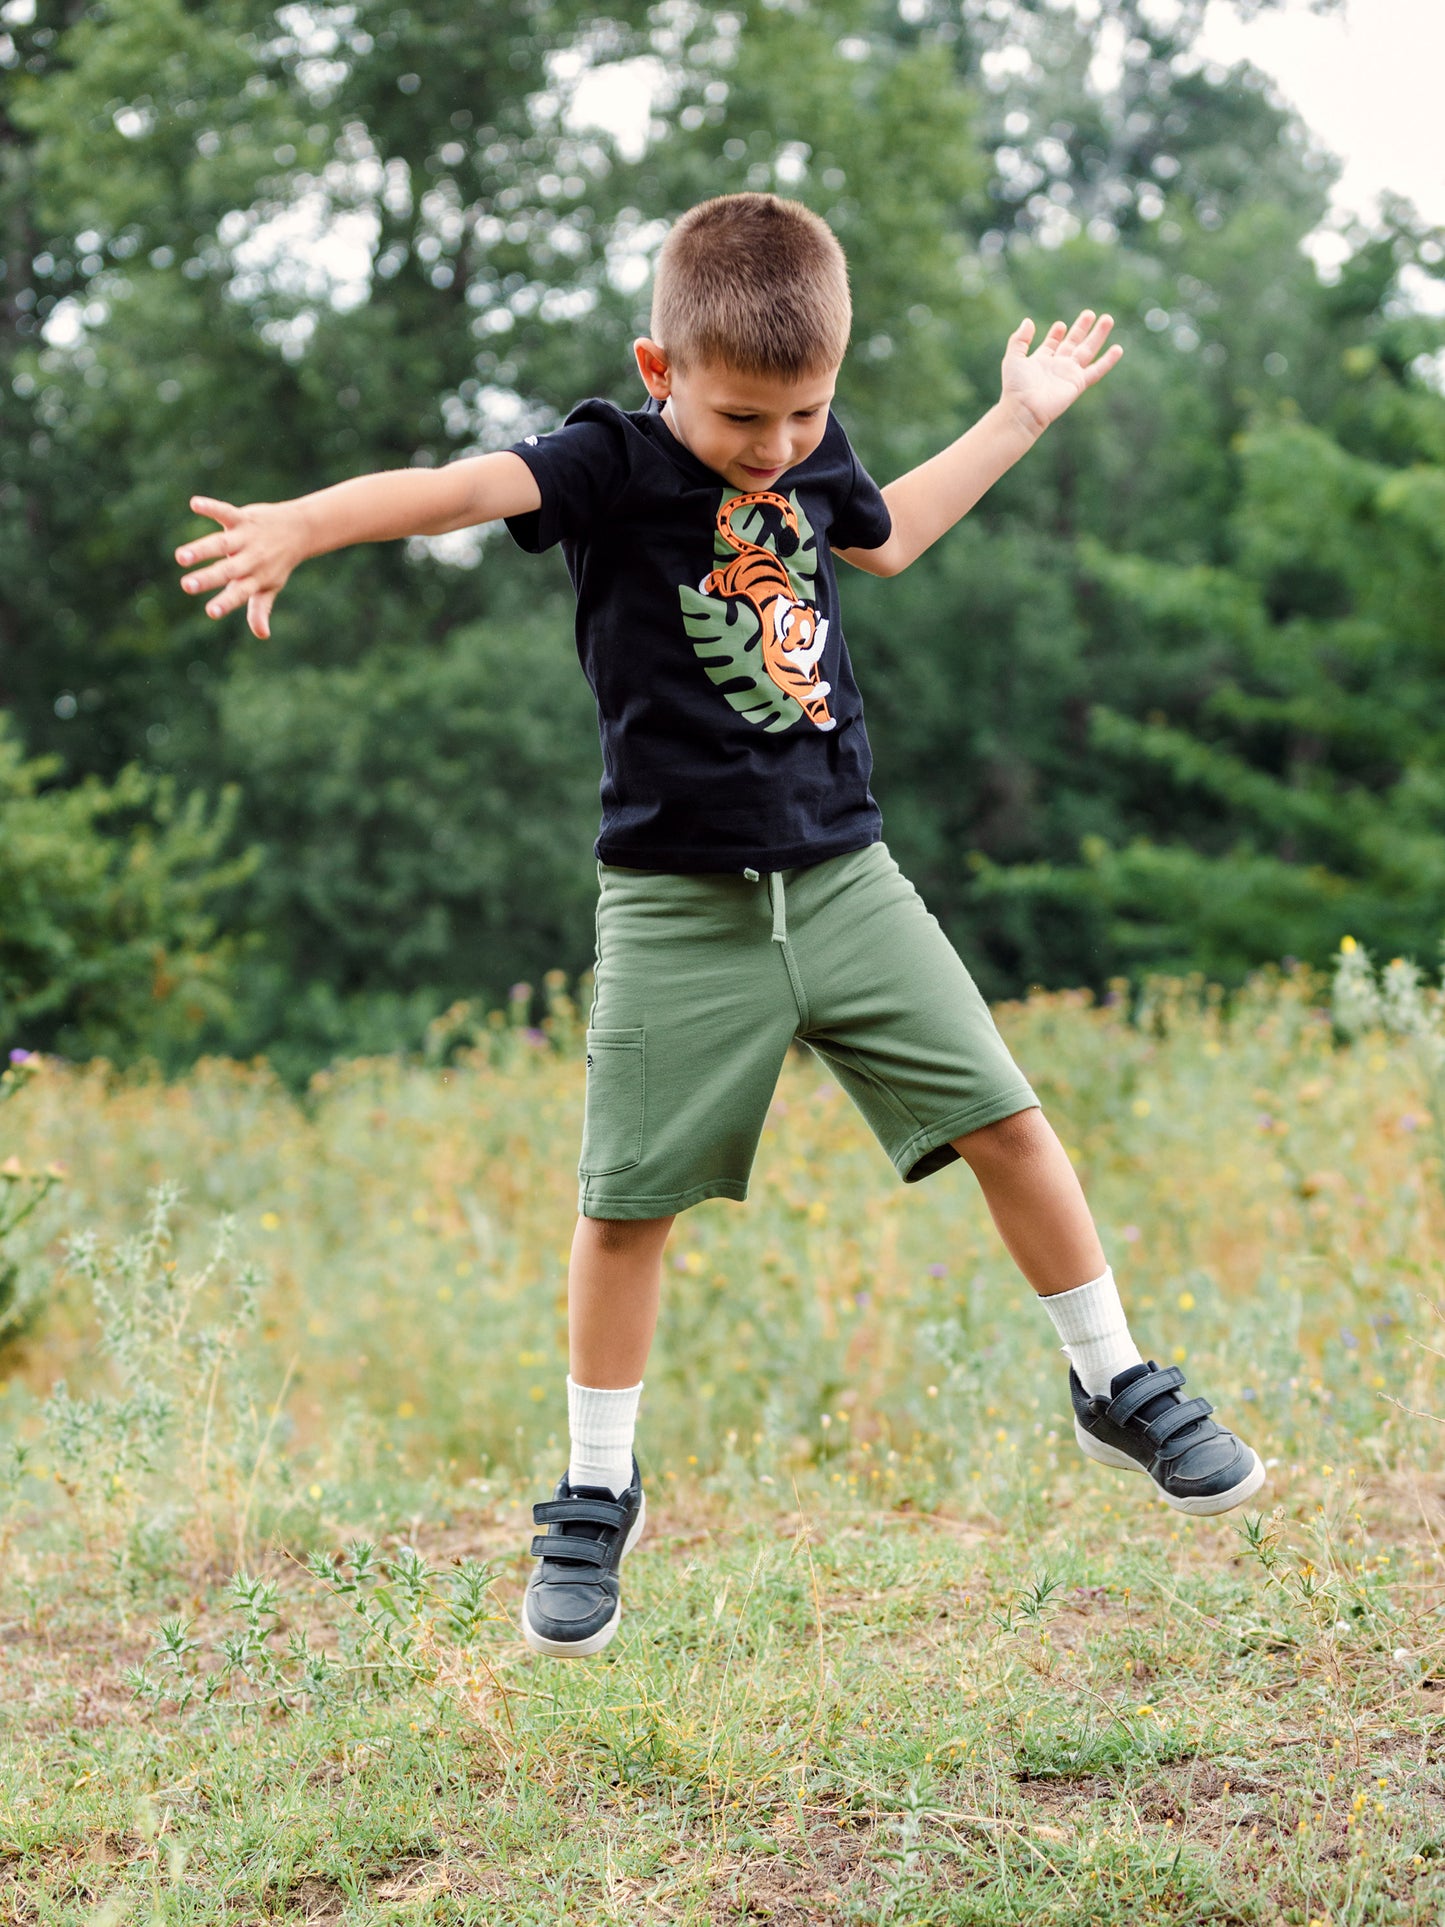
581	468
863	522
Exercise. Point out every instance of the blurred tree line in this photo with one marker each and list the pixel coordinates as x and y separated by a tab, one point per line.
1171	695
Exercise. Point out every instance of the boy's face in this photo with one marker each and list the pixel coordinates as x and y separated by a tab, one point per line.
750	429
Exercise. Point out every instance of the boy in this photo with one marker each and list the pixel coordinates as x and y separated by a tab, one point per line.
746	896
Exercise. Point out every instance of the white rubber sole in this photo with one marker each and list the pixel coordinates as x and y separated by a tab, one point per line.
1102	1454
581	1648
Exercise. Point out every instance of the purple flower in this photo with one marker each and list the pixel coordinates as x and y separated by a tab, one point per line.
535	1036
518	992
1409	1122
20	1056
1131	1234
862	1298
938	1271
1349	1340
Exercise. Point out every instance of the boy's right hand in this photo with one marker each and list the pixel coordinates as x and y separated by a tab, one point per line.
258	546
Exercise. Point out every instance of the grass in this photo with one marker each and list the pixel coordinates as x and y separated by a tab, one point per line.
893	1652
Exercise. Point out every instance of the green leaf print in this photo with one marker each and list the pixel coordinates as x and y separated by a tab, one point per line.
726	633
726	637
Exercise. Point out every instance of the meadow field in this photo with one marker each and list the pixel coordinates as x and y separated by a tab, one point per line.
283	1375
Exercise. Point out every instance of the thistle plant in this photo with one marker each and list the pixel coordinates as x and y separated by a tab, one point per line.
1397	1000
22	1192
388	1622
185	1443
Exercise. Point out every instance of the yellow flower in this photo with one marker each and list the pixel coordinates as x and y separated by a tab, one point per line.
1179	1354
1141	1107
1186	1301
314	1491
1348	945
406	1409
269	1221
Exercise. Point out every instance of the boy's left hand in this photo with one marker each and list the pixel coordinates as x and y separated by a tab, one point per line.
1042	385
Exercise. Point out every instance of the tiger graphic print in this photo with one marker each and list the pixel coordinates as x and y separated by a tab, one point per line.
793	633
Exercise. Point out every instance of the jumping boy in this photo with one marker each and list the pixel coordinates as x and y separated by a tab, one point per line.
746	897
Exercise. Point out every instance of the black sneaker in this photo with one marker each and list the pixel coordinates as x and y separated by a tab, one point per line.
573	1600
1144	1425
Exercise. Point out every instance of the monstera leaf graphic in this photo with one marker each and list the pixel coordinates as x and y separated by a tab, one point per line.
726	634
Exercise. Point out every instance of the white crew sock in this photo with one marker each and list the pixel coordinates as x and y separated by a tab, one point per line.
1095	1333
601	1424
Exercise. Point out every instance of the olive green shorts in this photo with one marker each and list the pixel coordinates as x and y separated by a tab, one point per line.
704	981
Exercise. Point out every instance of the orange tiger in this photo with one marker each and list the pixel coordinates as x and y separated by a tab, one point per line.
793	632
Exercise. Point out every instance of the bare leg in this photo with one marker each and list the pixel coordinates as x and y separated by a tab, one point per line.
613	1285
1036	1200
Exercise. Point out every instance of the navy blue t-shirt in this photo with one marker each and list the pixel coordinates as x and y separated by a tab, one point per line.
708	628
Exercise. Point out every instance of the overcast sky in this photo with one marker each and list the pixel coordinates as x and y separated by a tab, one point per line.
1369	82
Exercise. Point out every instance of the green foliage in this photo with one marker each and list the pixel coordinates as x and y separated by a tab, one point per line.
108	927
1167	695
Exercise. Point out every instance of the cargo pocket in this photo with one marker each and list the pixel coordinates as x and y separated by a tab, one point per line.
612	1125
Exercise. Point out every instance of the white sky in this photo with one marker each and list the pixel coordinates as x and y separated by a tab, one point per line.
1368	82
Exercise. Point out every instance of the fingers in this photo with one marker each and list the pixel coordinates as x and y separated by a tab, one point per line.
225	512
1018	341
207	579
1102	366
203	548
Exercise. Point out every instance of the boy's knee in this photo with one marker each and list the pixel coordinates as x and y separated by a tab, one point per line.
622	1235
1011	1139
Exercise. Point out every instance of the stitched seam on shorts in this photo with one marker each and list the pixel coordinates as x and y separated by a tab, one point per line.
870	1076
957	1124
795	978
660	1204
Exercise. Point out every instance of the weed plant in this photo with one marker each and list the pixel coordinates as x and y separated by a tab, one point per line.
893	1652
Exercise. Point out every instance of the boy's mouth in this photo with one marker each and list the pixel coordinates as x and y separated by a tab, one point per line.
759	474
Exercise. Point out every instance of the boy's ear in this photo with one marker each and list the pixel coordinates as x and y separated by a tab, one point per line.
653	367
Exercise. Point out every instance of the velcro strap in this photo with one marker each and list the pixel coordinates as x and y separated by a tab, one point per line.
1123	1408
1188	1412
554	1545
601	1512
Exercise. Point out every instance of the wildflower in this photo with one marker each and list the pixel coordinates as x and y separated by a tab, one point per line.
1348	946
269	1221
1131	1234
1409	1122
314	1491
1186	1301
1141	1107
938	1271
862	1299
20	1056
1348	1340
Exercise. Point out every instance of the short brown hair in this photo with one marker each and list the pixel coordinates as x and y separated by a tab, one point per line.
752	283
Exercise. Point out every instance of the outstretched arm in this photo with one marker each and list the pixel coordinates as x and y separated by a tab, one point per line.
259	545
1037	389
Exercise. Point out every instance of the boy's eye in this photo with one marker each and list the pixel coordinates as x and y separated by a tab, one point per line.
803	414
